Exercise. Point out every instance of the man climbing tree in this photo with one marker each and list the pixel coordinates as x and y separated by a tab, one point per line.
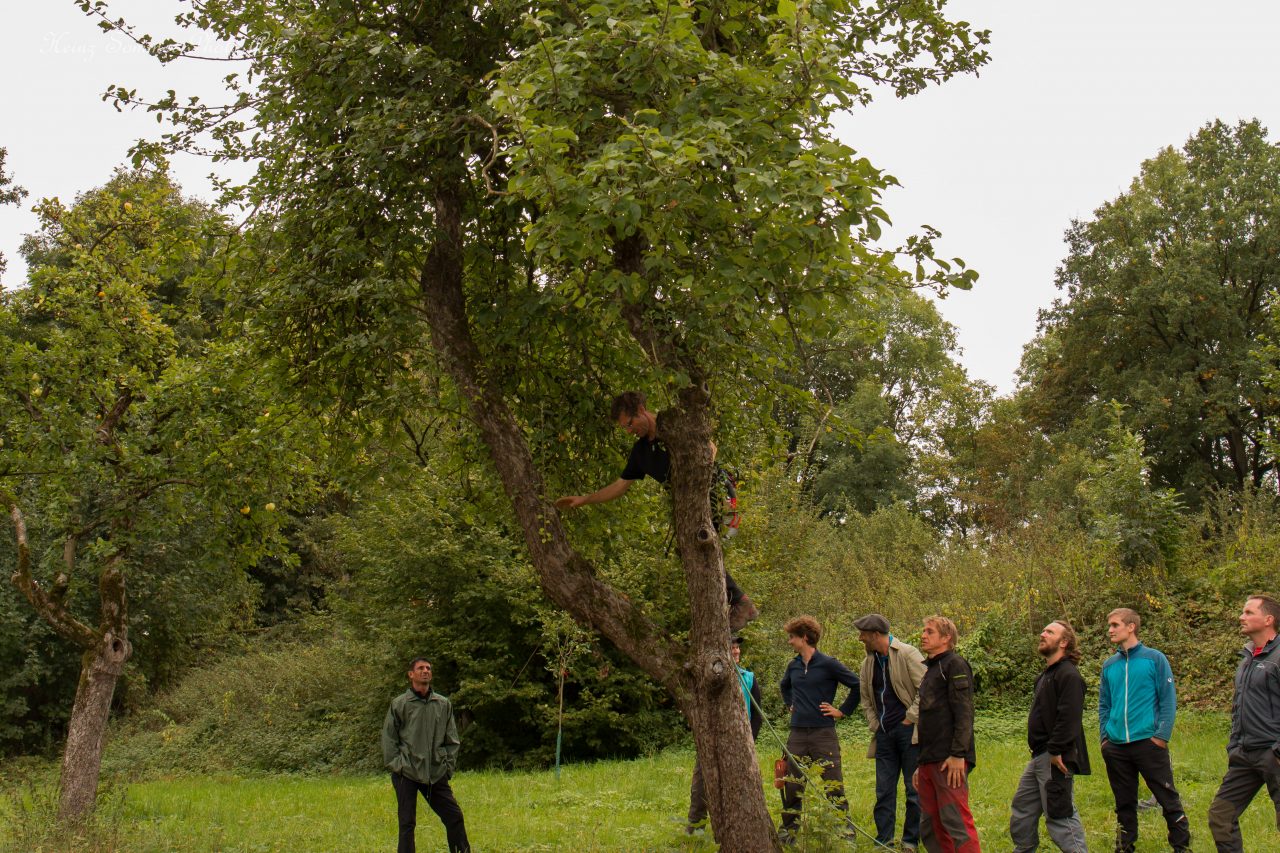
649	458
493	210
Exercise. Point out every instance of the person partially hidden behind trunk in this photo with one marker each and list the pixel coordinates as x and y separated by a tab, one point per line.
1055	735
751	697
650	458
1137	705
420	747
947	754
1253	749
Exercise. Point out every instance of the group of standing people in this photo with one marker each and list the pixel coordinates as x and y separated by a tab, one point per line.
920	711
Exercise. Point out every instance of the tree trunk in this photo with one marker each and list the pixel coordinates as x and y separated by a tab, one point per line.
702	679
715	710
100	669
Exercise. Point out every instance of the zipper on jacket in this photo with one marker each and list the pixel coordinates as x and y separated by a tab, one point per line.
1126	696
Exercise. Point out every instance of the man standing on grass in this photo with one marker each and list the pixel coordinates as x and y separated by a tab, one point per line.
1253	750
890	675
420	747
1136	709
808	689
947	753
1055	734
751	696
650	458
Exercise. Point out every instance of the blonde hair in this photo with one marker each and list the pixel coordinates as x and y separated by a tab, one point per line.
946	628
1127	615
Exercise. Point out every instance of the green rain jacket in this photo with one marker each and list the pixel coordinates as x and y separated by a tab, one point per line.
419	737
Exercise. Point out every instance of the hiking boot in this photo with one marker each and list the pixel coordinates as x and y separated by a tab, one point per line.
741	612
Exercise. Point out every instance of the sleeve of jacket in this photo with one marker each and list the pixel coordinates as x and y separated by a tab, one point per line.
391	738
1104	702
1233	739
868	700
1166	700
915	665
784	686
451	743
1069	690
960	697
754	715
849	679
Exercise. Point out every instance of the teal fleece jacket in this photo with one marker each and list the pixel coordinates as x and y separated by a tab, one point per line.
1136	699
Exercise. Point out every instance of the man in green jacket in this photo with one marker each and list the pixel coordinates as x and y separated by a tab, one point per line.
420	748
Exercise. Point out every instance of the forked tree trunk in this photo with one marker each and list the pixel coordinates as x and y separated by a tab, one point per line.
701	677
100	669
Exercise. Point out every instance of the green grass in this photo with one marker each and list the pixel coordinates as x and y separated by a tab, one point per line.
614	806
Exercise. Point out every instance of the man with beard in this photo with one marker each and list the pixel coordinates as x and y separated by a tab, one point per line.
1055	734
890	676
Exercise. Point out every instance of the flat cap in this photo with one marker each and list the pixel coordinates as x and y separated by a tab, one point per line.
872	622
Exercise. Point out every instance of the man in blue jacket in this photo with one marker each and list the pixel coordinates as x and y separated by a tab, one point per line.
1136	708
1253	750
808	689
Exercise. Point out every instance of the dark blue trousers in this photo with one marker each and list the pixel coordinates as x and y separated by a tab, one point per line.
896	756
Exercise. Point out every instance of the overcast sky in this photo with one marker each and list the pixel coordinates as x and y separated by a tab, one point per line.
1076	96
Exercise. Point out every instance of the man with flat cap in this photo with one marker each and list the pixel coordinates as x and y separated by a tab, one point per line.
890	677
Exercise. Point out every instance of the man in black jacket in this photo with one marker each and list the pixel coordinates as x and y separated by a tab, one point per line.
808	689
947	754
1253	750
1055	734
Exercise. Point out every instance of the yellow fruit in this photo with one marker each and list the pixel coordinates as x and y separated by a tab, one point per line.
271	507
244	510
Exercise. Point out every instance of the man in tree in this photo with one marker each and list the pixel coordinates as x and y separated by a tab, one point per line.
808	689
890	675
1253	750
1136	709
1055	734
947	754
650	458
420	747
751	696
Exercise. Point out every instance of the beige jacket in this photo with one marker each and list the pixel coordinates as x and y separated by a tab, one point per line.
906	669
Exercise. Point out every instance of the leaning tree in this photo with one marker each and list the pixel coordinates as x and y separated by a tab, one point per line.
510	210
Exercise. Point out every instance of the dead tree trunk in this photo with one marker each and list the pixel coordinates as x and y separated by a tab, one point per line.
701	678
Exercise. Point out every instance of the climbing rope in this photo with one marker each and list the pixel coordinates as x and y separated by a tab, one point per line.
795	762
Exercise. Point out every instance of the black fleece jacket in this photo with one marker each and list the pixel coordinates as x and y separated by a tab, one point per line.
945	727
1056	724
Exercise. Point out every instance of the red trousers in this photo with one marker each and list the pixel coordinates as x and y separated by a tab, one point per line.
946	824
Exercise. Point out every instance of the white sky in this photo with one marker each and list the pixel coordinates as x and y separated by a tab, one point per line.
1077	94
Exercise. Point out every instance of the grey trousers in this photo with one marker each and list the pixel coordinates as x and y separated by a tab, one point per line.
1246	773
1044	789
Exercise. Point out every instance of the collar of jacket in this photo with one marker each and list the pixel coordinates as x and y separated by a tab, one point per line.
1266	650
1123	652
413	694
938	658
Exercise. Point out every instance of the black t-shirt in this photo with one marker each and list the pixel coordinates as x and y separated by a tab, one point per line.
648	458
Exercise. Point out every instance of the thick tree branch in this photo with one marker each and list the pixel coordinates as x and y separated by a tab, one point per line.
51	611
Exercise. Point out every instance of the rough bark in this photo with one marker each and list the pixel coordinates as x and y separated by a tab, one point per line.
100	669
701	678
105	652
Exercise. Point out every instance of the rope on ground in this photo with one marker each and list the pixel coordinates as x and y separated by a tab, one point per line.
808	778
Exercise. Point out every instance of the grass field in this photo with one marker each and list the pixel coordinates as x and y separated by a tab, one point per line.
608	806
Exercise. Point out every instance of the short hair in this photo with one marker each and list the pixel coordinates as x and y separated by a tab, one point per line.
1127	615
626	403
414	662
804	626
1270	607
945	627
1071	651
